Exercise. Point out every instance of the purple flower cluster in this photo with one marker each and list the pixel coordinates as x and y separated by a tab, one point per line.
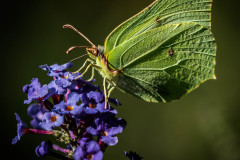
74	111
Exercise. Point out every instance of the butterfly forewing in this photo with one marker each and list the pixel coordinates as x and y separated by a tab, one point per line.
160	13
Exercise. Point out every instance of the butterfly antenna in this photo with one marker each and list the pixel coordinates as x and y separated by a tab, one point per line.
70	26
78	57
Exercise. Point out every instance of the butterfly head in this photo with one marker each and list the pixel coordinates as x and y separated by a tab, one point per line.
94	52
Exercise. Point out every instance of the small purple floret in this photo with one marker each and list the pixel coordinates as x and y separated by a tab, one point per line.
107	129
21	128
91	150
56	70
51	120
43	149
35	91
36	111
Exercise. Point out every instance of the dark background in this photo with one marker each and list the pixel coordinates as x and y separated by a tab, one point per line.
203	125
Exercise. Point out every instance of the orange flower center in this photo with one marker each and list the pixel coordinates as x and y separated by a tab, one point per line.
90	156
91	105
53	119
104	133
69	108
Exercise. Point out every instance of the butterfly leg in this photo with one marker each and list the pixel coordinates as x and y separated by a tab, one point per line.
105	92
109	85
93	74
84	64
87	68
90	65
110	91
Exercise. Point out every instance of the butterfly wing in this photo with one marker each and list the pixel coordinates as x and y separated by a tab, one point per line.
164	63
160	13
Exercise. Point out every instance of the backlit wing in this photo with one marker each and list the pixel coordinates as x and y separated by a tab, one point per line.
164	63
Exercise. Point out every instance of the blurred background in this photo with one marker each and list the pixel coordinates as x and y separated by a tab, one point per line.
203	125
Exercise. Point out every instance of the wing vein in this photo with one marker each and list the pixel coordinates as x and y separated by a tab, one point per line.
128	49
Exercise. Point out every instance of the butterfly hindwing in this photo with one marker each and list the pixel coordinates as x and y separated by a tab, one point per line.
164	63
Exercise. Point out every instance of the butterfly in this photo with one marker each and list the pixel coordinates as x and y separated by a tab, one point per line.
159	54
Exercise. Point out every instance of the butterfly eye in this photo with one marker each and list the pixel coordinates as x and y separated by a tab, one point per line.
93	51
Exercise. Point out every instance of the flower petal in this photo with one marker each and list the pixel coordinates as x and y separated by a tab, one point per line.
109	140
98	156
79	153
92	147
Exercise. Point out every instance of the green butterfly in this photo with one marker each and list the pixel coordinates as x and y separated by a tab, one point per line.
159	54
